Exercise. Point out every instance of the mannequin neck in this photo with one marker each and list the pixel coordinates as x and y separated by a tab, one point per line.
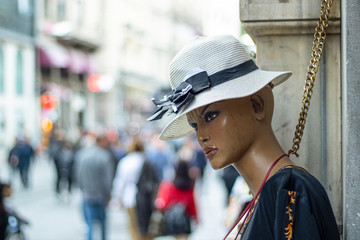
255	163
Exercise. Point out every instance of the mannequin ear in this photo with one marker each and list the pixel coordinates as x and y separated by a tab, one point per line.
259	106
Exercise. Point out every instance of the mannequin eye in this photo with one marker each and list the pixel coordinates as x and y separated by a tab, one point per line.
209	116
194	125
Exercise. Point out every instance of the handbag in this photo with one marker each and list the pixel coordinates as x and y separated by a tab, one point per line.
176	220
172	221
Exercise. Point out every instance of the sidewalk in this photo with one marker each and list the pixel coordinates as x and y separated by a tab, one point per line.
61	219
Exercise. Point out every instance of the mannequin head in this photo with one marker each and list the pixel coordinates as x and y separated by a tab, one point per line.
208	70
227	130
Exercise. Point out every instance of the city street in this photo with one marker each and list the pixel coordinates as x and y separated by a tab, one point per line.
60	218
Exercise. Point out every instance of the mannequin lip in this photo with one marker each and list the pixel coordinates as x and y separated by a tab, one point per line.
210	152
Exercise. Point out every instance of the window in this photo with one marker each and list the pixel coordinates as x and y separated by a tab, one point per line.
46	8
80	12
2	73
24	7
19	122
61	10
19	73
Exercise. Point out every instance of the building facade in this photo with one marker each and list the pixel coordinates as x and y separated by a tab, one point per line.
140	38
19	107
101	61
69	35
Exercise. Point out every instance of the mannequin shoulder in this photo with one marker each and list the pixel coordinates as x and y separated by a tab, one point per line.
295	178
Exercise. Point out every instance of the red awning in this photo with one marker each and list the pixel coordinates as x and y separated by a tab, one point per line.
53	55
81	62
57	56
78	61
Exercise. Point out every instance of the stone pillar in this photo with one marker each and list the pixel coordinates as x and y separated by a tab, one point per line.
283	32
351	117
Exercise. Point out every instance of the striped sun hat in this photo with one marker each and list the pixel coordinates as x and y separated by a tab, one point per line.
207	70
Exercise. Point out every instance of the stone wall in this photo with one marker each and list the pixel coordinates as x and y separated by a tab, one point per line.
283	32
350	38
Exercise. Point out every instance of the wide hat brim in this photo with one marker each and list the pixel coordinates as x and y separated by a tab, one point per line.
237	88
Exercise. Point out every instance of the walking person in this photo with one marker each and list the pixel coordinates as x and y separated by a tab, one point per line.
94	176
125	188
199	161
66	163
57	142
3	214
160	155
20	157
229	175
11	220
176	199
221	94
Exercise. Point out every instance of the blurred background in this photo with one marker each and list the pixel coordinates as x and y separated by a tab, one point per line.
73	68
93	64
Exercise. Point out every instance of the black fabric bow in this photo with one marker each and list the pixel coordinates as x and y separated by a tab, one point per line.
181	95
197	83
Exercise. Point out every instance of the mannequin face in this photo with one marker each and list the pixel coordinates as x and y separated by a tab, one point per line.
225	130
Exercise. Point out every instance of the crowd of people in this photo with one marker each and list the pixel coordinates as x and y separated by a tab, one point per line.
136	172
127	170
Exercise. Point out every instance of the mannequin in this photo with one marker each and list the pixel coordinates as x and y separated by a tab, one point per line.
220	93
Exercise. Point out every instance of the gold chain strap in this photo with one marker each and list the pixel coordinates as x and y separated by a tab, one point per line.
317	49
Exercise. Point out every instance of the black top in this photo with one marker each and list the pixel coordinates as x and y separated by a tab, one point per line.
292	205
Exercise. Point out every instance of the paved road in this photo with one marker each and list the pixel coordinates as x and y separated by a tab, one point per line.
54	218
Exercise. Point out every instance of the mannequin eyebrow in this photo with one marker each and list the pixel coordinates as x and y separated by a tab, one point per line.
203	111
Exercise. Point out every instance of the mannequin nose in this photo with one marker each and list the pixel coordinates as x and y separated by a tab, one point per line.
203	139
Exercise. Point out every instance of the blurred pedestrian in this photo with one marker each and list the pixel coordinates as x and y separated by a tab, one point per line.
187	150
10	218
191	152
229	175
20	157
116	145
178	194
57	142
147	187
114	155
66	162
159	154
3	214
238	200
125	185
199	161
94	171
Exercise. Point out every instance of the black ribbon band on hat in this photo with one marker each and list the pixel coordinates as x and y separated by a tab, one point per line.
195	84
